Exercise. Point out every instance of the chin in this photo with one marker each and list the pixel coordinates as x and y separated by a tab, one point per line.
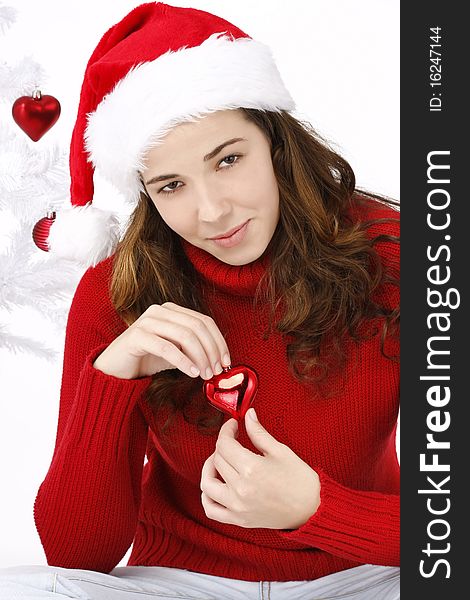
238	257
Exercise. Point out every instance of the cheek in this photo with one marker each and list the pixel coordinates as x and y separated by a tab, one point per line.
264	192
179	220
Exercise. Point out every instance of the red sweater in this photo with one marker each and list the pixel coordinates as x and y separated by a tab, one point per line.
98	497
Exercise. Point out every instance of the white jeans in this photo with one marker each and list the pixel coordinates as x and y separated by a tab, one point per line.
366	582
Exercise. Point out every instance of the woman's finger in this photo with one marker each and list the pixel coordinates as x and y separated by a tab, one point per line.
215	490
225	470
229	449
219	352
150	343
191	343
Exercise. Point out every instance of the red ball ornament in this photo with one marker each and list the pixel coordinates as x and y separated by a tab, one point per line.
232	391
41	231
36	114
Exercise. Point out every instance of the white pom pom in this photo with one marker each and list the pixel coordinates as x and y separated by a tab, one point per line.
84	234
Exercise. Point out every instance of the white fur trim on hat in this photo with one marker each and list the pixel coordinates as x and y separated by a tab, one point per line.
98	234
153	97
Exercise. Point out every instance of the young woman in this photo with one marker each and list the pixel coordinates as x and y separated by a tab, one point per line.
249	245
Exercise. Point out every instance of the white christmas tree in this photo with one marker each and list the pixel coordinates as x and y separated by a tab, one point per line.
33	181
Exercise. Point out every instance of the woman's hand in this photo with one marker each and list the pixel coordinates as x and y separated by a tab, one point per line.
277	490
166	336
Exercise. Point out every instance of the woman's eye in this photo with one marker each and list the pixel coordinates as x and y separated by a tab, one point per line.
172	188
231	159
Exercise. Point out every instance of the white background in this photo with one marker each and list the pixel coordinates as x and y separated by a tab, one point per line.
340	61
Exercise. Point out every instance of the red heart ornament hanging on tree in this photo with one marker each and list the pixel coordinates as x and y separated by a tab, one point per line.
232	391
36	114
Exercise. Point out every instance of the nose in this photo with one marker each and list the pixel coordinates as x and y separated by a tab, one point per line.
213	204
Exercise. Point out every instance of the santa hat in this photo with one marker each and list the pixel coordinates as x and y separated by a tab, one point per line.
158	67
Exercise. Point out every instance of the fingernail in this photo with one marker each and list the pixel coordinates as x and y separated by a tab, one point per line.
217	368
226	360
209	373
252	414
195	371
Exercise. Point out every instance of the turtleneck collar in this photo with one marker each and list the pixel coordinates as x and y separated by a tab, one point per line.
239	280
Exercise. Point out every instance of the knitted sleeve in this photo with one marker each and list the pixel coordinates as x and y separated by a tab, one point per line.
353	524
86	508
362	526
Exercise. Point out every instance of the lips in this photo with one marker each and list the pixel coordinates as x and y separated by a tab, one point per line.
234	239
228	233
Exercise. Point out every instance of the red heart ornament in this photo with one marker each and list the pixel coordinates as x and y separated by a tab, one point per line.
232	391
36	114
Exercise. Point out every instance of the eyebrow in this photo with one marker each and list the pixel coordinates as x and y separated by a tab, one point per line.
207	157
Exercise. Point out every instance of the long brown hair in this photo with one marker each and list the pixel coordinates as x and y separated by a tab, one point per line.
323	269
